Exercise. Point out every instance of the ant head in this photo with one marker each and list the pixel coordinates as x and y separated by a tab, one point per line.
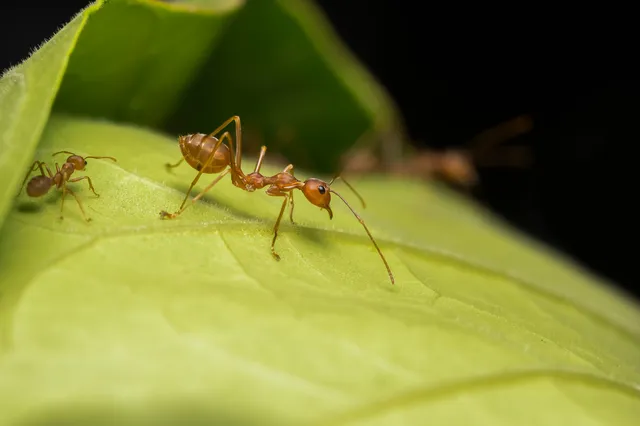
78	162
318	193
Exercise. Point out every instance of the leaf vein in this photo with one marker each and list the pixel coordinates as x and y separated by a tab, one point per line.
429	395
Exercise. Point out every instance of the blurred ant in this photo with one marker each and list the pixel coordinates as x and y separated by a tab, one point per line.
207	154
40	185
455	166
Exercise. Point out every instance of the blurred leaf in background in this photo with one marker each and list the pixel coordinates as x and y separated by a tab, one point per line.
274	63
134	320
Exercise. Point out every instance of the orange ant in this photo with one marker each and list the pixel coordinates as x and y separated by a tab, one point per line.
207	154
40	185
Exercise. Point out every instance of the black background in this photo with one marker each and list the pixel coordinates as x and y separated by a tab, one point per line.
455	73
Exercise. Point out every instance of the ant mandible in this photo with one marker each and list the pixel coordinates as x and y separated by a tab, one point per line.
40	185
207	154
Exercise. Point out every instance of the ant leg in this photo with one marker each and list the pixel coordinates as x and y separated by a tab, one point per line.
204	166
64	188
263	151
291	210
486	145
277	225
36	164
64	192
237	176
48	171
90	183
208	187
171	166
238	156
289	169
65	178
164	214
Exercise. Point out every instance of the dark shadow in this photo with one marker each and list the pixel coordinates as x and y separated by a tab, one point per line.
316	236
29	207
35	205
158	413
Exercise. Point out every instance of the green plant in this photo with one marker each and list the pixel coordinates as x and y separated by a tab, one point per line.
137	320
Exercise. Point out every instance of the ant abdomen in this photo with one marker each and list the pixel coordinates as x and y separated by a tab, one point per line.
197	149
39	186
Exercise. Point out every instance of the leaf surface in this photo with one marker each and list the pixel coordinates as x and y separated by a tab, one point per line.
192	319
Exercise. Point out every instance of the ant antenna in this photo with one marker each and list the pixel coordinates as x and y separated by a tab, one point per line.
393	281
98	157
63	152
90	156
364	205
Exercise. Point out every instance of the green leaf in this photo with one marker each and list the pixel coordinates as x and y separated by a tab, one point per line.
191	65
26	95
130	319
135	320
139	75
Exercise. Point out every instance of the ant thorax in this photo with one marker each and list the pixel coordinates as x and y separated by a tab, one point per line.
254	181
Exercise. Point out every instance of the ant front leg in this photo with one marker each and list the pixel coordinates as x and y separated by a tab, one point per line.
90	183
289	169
275	192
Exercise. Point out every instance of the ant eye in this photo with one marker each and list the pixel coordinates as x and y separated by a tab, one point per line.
85	162
321	189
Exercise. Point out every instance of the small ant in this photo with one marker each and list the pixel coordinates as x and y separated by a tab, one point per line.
207	154
40	185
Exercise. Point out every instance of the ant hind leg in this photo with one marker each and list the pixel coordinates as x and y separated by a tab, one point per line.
170	166
195	180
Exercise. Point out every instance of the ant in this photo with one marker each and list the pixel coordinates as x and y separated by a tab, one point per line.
455	166
207	154
40	185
